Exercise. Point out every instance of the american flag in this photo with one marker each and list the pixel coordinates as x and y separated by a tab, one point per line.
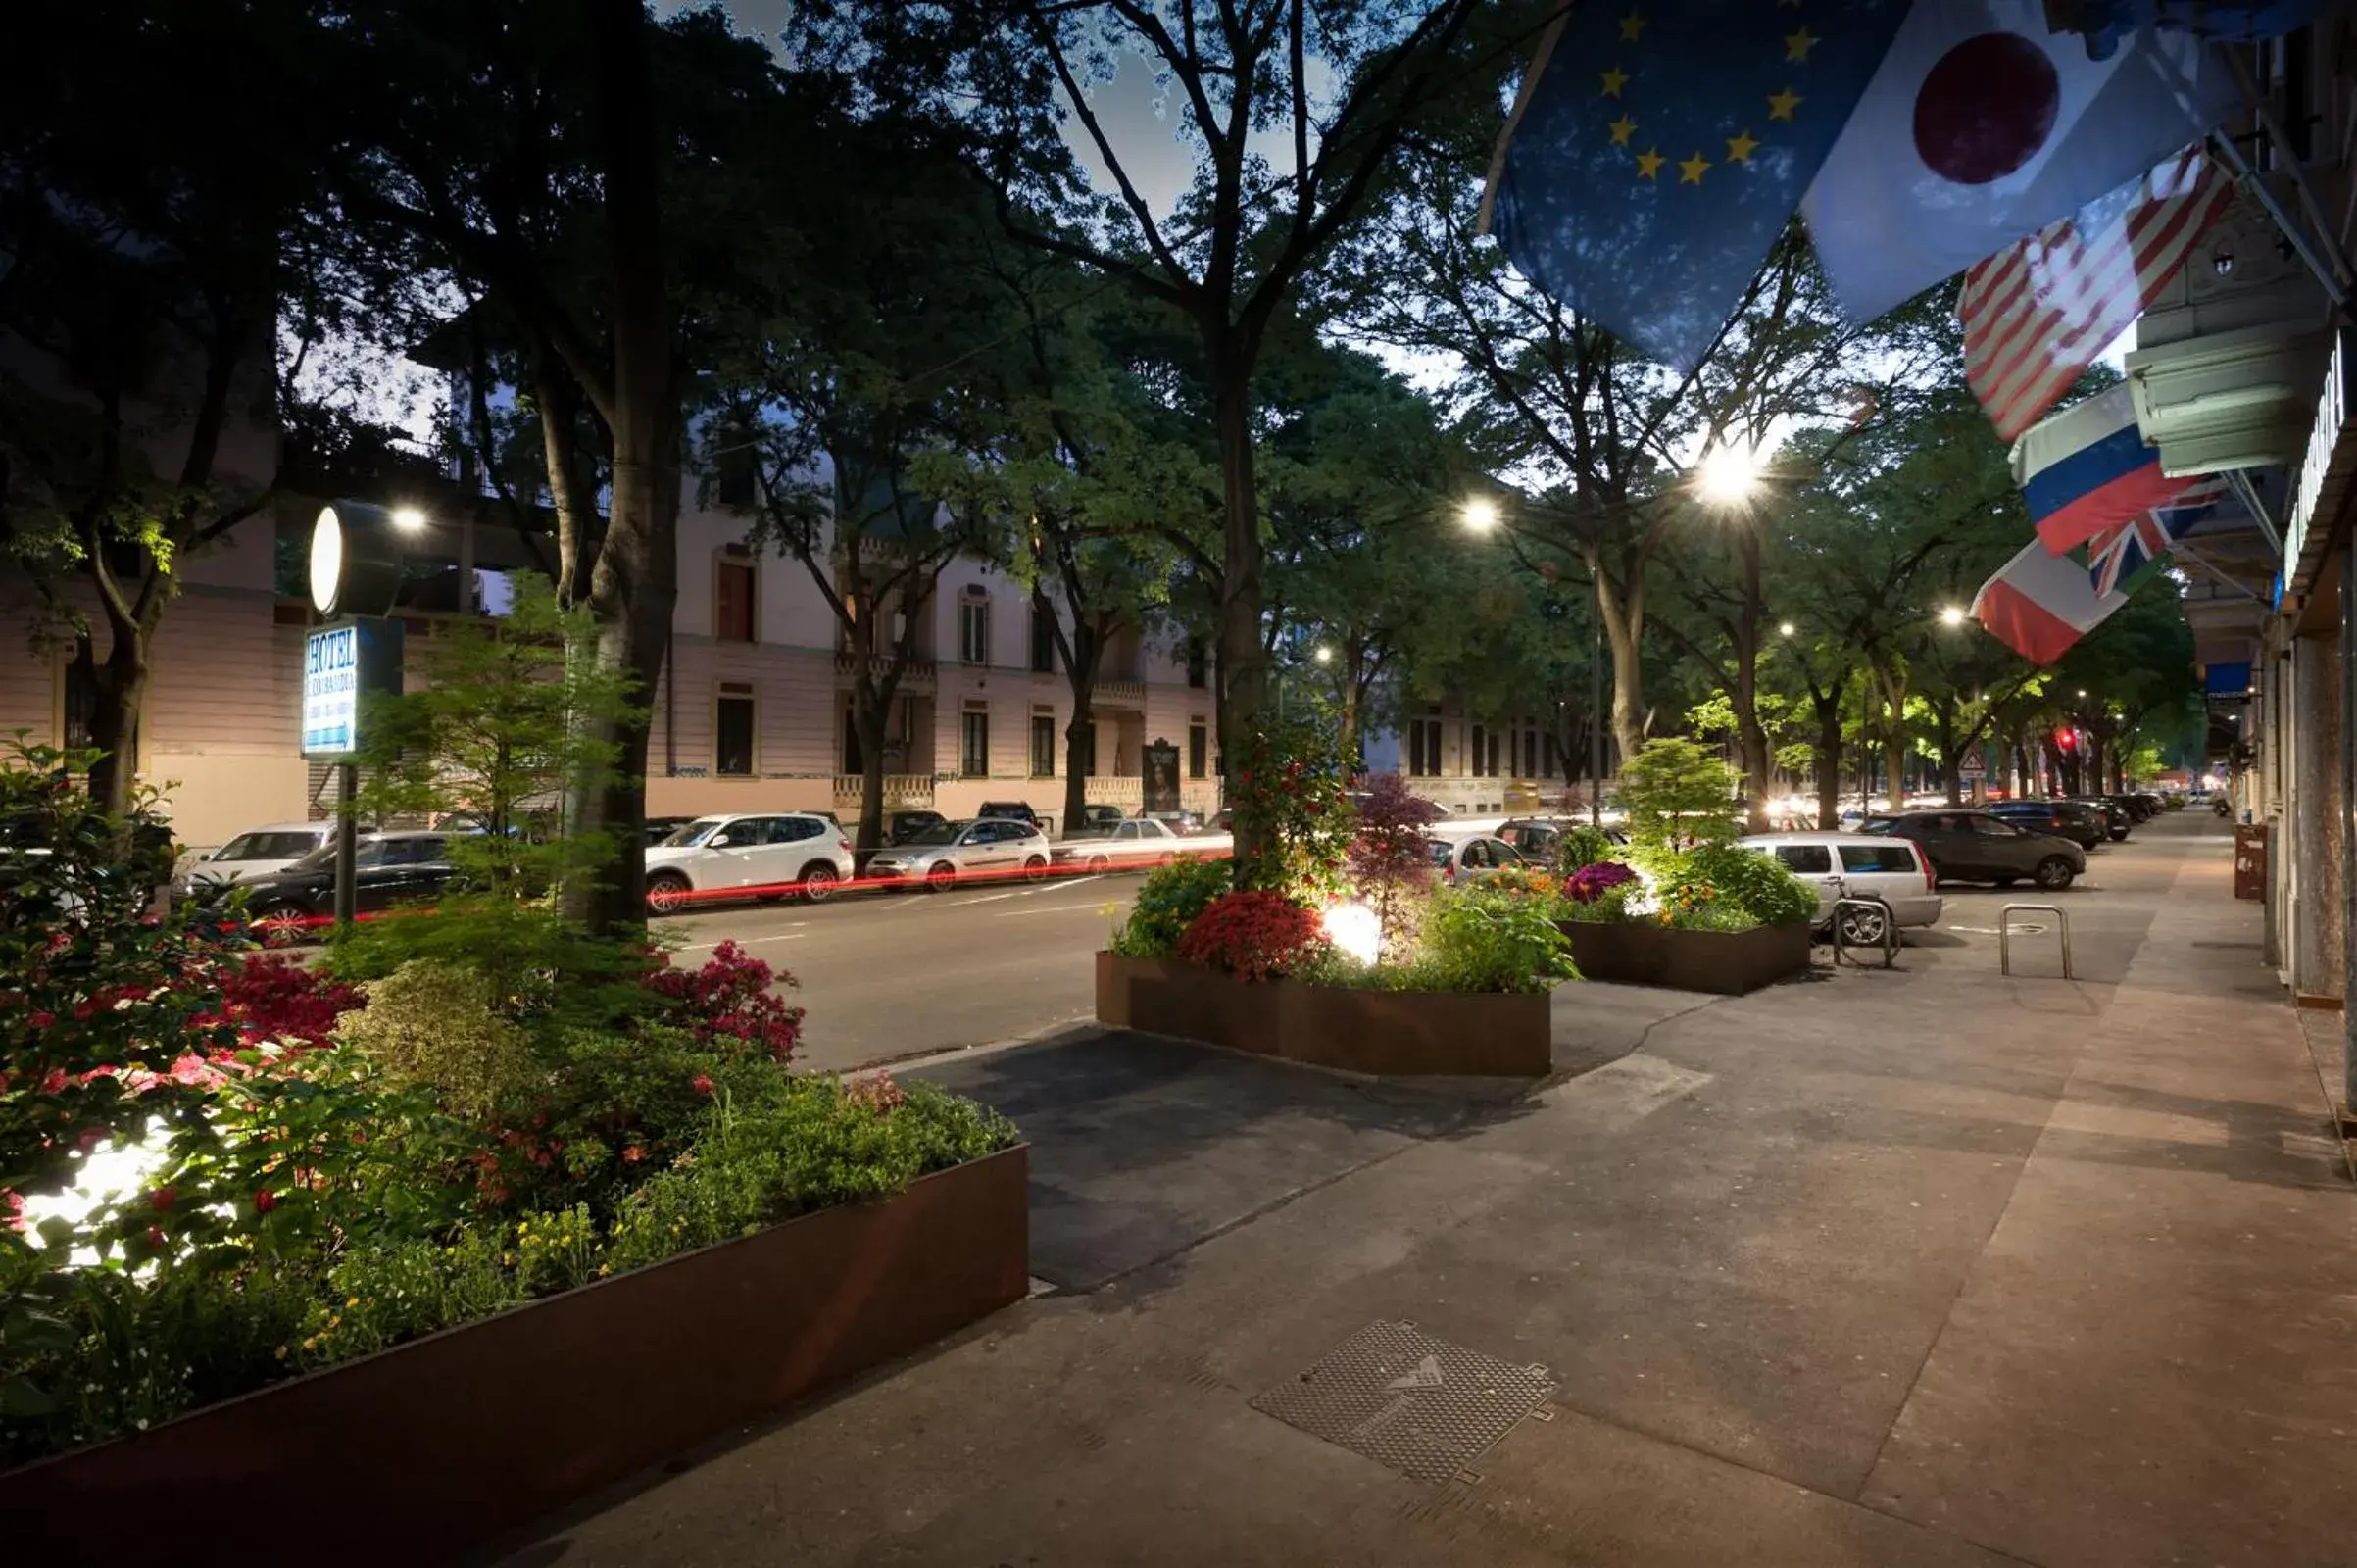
2039	312
2119	554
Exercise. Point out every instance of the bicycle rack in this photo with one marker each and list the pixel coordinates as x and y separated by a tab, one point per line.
2005	917
1889	942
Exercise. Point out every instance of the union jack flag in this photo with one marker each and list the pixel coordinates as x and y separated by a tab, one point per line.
2117	554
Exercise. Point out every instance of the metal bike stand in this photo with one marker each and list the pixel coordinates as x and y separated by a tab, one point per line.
1889	942
2062	923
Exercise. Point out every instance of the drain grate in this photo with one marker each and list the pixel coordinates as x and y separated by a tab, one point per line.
1419	1405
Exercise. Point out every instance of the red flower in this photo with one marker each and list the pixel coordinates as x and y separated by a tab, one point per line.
1244	776
702	1083
155	1235
54	1081
264	1201
41	1020
632	1154
162	1199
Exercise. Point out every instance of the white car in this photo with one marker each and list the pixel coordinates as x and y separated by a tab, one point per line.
1471	857
753	855
995	848
1141	841
256	852
1890	871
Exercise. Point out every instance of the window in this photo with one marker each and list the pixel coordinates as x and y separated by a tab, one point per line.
974	743
1196	664
1043	746
1897	856
1530	754
973	631
1477	856
732	732
733	481
1483	763
733	582
412	851
1126	831
1423	747
1988	827
269	847
1198	748
1810	860
1043	642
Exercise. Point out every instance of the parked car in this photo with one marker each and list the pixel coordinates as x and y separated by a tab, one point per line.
1138	842
748	855
388	868
901	826
2117	817
1094	815
1891	871
1540	839
1007	810
254	853
1976	847
2074	821
660	828
953	851
1472	857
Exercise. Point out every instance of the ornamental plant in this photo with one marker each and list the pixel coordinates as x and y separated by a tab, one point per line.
1585	846
1253	934
1291	797
1591	882
1388	865
1678	794
727	1005
1167	902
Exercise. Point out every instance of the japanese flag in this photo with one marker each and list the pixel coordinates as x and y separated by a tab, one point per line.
1981	127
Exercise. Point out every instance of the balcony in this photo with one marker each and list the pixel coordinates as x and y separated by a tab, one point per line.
901	790
1118	694
1129	792
918	679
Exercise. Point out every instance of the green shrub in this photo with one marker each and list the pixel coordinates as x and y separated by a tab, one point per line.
1759	885
1168	902
445	1028
1483	941
1678	793
1585	846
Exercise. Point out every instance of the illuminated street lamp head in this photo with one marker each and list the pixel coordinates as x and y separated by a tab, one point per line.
1729	474
1481	513
2083	690
1786	629
409	520
1951	615
1324	655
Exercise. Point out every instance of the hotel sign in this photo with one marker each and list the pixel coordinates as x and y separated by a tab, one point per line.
2323	442
342	664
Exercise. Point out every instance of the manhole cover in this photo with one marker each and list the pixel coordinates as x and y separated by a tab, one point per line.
1420	1406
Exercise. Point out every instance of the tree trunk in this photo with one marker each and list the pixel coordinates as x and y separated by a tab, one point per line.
1829	758
1624	630
120	696
1243	661
1086	654
634	583
871	713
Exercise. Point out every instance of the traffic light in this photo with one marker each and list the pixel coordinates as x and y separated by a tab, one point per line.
2065	739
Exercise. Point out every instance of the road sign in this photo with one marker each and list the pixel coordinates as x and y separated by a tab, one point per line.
1971	766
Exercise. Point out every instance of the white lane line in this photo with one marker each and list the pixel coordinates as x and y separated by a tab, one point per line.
743	942
1046	909
1093	876
993	898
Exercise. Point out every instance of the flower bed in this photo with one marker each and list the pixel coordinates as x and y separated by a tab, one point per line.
1357	1029
445	1442
1646	953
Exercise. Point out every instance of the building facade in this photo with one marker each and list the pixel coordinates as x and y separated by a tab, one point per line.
1474	767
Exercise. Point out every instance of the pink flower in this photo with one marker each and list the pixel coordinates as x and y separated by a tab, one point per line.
632	1154
54	1081
41	1020
702	1083
162	1199
264	1201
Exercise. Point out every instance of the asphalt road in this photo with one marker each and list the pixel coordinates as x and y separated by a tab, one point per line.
889	976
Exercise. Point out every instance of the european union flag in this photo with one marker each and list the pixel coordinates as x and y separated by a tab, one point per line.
1658	150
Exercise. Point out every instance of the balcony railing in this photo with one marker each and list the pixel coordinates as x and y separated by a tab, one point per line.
901	790
1118	694
918	676
1116	791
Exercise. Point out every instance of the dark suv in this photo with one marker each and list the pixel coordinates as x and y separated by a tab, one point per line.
1976	847
2082	824
1009	812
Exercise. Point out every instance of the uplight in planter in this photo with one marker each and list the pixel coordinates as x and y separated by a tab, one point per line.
1355	929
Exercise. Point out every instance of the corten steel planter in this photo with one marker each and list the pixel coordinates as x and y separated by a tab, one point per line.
1392	1033
436	1447
1642	953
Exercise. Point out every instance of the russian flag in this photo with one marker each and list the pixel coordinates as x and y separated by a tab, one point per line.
2088	469
2039	604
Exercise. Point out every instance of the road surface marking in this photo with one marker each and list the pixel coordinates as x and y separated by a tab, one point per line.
1625	1092
1046	909
743	942
993	898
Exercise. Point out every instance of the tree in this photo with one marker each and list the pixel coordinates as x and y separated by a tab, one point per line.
138	311
556	165
1234	255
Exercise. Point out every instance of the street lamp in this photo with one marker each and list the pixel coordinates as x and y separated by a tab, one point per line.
1481	515
409	520
1951	615
1324	655
1785	628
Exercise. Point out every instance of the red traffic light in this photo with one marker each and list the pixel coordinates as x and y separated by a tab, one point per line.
2065	739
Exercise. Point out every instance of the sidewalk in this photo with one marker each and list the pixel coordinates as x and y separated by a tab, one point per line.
1920	1268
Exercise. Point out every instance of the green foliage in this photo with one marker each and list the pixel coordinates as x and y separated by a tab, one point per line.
1166	903
534	960
1585	846
1480	940
1291	797
503	730
447	1030
1718	887
1678	792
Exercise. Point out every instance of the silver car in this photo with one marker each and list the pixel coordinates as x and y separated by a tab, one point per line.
995	848
256	852
1140	842
1889	871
